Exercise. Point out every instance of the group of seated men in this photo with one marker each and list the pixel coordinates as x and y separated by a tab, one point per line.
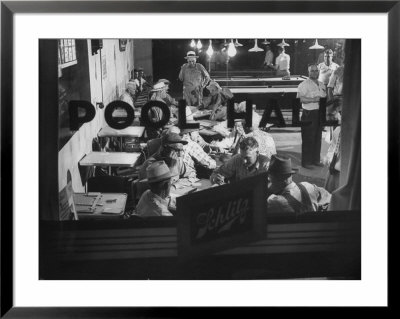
169	169
182	158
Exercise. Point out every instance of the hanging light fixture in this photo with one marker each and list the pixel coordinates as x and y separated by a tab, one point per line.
255	48
237	44
192	43
231	49
210	50
225	44
199	45
265	42
284	44
316	46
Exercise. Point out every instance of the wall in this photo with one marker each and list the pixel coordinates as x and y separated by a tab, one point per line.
143	49
109	71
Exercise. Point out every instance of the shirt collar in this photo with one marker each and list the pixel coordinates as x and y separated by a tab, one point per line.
255	166
159	198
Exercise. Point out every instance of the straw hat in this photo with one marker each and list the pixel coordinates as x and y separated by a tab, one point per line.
158	87
191	54
165	81
157	172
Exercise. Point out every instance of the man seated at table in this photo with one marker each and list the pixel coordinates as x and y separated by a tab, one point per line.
248	162
194	155
287	196
216	101
156	200
266	144
232	136
170	152
128	95
168	99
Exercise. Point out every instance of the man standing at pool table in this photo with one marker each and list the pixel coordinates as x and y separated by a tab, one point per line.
310	91
282	63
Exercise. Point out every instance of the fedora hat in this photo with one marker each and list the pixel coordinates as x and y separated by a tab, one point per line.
281	165
157	172
159	86
191	54
165	81
172	138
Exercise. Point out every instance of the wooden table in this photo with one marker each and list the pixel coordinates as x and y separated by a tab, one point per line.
100	205
110	159
130	131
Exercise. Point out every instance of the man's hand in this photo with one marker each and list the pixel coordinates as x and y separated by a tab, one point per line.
218	179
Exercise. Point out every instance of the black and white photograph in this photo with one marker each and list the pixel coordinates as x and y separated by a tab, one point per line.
167	158
222	159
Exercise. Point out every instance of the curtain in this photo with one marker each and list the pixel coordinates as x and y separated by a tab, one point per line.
348	195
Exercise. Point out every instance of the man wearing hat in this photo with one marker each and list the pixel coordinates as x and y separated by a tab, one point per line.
170	152
248	162
290	197
168	99
194	77
155	201
216	102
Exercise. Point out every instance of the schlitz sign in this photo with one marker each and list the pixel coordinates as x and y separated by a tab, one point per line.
222	217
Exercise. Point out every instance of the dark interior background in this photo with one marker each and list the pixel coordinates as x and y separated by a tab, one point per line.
168	56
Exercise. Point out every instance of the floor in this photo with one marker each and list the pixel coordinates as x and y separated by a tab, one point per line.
288	142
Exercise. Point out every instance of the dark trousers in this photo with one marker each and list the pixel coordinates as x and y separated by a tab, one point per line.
311	136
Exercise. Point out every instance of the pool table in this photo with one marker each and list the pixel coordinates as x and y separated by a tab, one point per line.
294	81
268	93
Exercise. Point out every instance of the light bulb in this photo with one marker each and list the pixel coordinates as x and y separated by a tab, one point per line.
192	44
199	45
231	49
210	50
237	44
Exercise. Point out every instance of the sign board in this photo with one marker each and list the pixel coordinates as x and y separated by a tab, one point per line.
66	203
222	217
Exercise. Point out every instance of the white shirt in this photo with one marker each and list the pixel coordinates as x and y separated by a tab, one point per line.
336	81
325	71
283	61
309	89
151	204
334	147
269	58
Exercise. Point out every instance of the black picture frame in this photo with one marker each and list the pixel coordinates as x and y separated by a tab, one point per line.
9	8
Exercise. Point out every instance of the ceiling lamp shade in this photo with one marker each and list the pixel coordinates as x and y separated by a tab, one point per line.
231	49
225	44
284	44
192	43
255	48
265	42
316	46
199	45
237	44
210	50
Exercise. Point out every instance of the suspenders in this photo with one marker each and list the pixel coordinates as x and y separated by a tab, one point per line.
302	206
